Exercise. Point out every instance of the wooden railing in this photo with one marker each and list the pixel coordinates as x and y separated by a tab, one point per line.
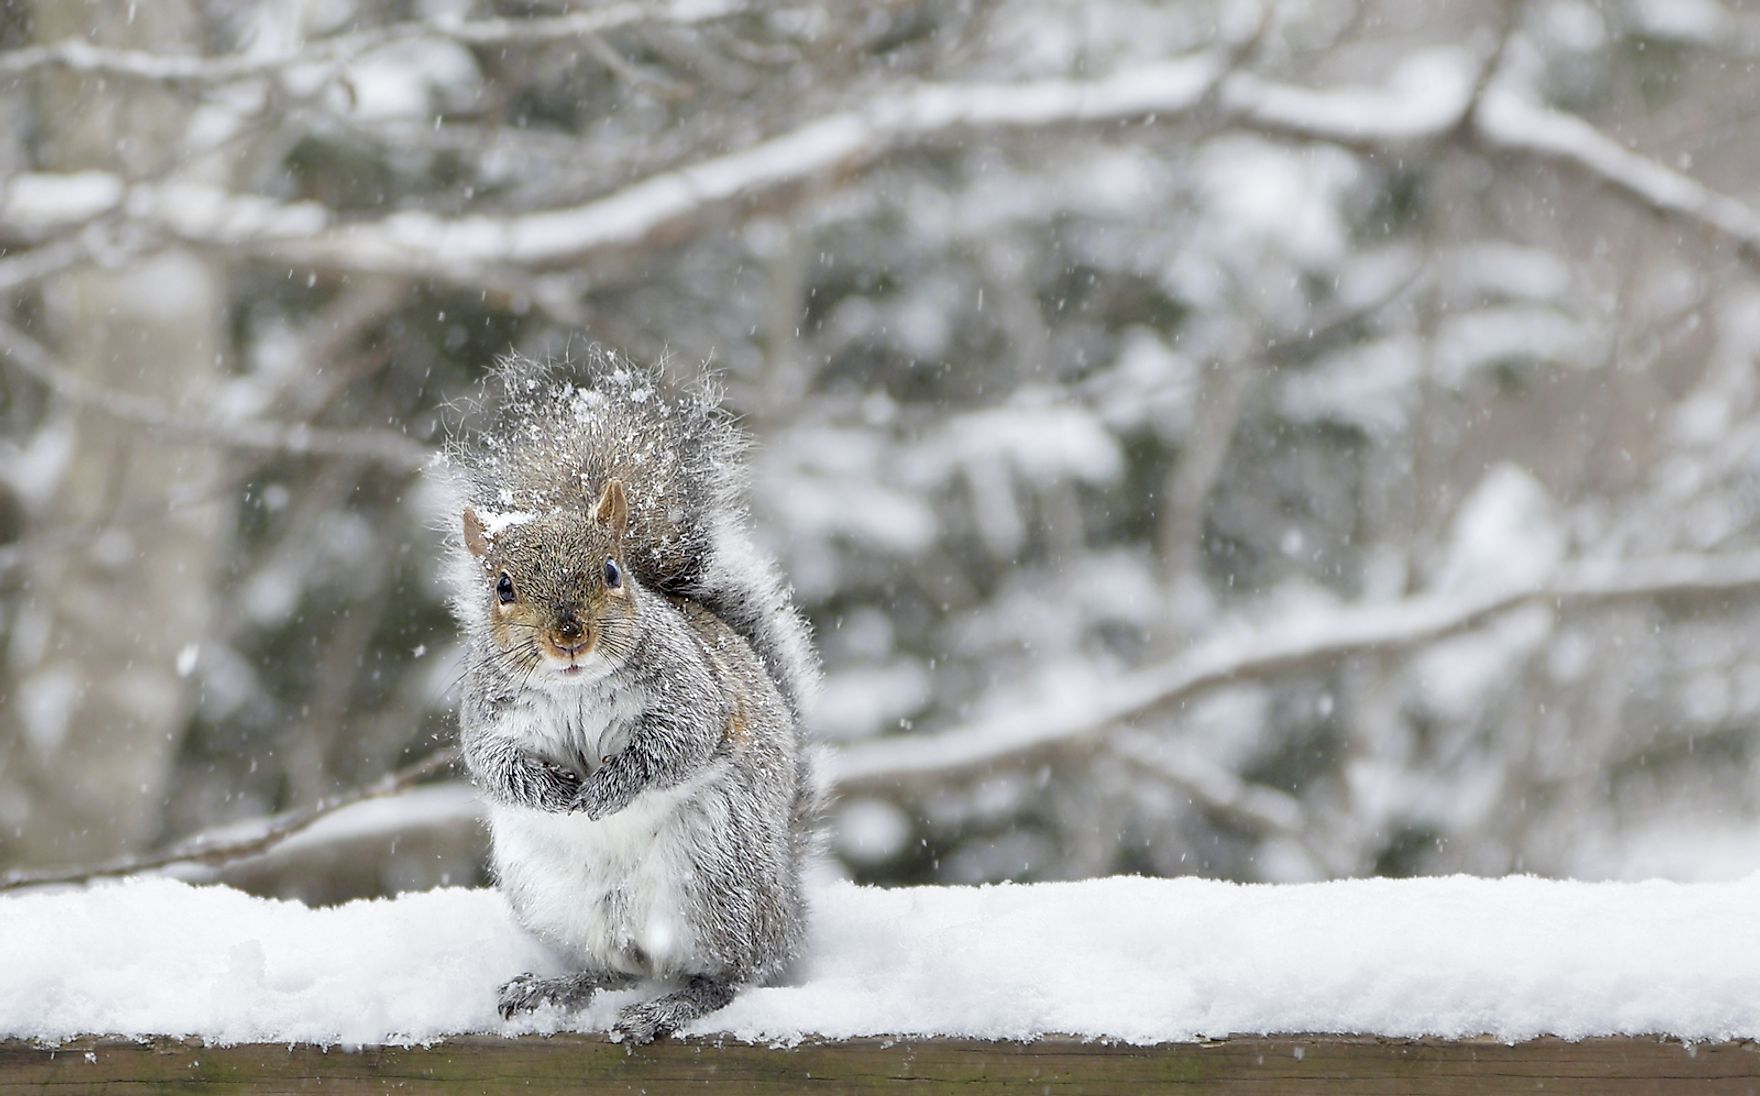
1361	1066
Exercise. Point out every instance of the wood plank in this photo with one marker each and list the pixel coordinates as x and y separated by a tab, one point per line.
591	1064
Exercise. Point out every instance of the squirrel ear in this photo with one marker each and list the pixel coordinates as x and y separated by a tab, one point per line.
476	538
613	508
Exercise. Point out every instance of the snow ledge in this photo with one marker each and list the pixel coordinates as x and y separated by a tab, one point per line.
1126	959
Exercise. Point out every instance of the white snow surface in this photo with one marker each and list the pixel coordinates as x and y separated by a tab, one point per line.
1132	959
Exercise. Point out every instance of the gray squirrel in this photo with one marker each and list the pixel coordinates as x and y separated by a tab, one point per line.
633	698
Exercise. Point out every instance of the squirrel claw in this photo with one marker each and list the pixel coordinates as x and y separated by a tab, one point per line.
583	805
640	1024
522	994
561	772
547	785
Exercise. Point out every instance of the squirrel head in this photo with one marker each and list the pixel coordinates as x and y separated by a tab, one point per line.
560	600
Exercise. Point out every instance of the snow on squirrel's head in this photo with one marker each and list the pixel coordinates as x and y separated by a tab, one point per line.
573	483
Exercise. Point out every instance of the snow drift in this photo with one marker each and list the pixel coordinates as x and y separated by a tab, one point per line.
1140	960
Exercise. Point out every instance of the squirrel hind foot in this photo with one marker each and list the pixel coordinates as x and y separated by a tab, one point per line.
646	1021
529	992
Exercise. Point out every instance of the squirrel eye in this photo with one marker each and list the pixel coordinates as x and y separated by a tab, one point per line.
613	574
504	588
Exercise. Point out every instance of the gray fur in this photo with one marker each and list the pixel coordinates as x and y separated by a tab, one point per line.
651	807
547	434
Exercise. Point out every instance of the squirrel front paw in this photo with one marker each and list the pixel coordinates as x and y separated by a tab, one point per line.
543	784
603	794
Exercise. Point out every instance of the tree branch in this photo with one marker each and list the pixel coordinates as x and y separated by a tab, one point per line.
80	56
1495	120
1038	732
229	844
671	206
1507	123
30	267
34	360
663	208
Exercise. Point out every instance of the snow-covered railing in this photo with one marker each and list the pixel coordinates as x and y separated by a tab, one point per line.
1468	984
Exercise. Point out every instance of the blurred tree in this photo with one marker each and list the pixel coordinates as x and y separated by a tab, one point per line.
96	707
1272	442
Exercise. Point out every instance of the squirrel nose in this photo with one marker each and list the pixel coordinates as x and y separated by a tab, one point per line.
569	628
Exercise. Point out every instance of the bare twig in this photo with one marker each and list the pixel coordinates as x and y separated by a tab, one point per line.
34	360
228	845
1038	733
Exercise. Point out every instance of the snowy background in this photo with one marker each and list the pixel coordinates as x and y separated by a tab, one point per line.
1274	444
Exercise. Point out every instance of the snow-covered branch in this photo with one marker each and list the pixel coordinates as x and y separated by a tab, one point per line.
664	207
80	56
670	205
36	206
34	360
1444	102
30	267
1037	732
240	841
674	204
1506	122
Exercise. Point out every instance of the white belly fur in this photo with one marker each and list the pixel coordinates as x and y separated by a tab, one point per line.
610	894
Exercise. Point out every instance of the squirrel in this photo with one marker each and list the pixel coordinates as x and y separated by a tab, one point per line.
632	702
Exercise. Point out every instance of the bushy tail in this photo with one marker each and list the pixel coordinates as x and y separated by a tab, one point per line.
812	801
548	435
